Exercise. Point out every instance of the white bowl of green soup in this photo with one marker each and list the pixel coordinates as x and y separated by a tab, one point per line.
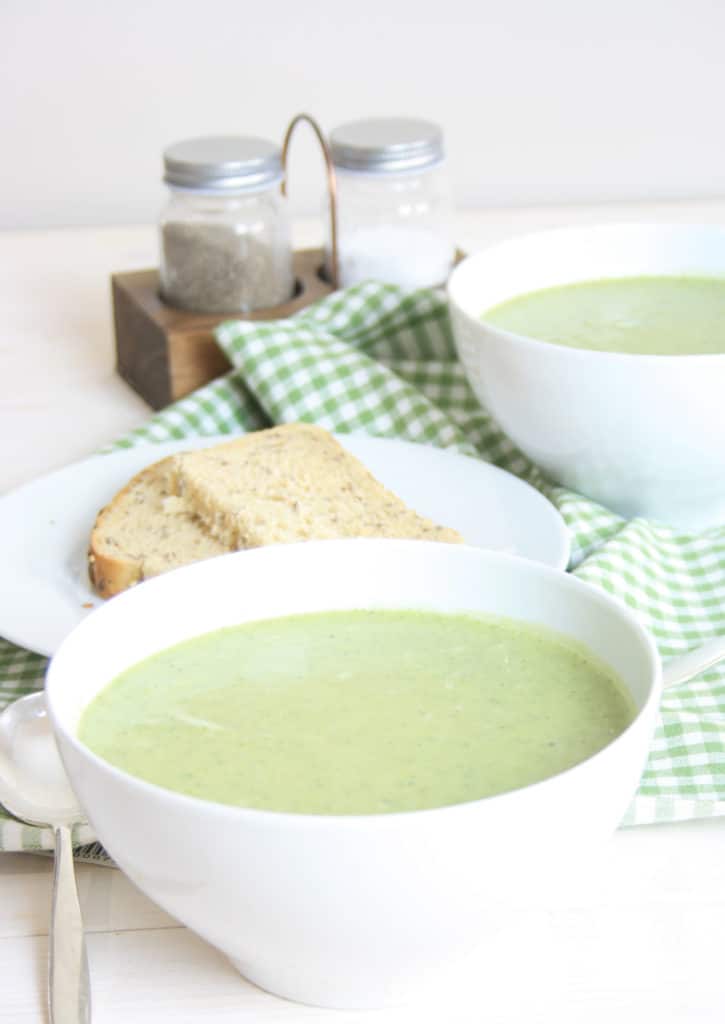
600	351
332	759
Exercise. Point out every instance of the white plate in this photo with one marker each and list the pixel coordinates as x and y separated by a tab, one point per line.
45	526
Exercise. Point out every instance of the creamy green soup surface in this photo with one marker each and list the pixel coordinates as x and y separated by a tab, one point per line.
358	712
643	315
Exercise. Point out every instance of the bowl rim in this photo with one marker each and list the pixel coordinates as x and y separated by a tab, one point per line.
531	344
380	819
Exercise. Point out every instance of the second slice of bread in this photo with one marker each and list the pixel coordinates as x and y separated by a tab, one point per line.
291	483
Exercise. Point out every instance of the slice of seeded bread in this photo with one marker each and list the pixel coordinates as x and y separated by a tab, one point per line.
285	484
291	483
145	531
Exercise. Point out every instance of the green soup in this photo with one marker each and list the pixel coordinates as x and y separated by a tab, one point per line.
647	315
358	712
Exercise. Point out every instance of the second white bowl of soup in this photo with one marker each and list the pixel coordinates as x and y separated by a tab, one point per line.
336	760
600	351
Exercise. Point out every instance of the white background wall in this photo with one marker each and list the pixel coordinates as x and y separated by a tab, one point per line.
540	101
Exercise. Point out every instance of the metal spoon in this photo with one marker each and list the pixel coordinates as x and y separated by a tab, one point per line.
678	670
34	788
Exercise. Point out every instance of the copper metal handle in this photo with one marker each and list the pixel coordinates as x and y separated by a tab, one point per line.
331	184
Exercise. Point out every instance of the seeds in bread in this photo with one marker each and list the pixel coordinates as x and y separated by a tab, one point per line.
291	483
143	532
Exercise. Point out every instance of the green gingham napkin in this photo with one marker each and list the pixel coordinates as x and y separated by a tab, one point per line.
374	359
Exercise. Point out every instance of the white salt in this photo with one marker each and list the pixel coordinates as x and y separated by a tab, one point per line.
410	257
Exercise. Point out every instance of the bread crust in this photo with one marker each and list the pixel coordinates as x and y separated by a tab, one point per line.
111	572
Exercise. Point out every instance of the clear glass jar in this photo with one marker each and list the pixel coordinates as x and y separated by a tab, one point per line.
393	203
224	233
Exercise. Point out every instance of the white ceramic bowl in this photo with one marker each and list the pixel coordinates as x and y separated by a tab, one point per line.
348	911
641	434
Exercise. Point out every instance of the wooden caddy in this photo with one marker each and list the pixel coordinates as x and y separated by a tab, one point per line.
164	352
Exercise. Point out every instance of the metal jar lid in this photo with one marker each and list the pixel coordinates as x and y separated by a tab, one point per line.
387	144
222	163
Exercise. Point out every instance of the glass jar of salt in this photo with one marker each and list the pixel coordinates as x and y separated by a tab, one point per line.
393	202
224	233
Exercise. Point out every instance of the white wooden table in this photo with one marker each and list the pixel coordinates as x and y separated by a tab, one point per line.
644	943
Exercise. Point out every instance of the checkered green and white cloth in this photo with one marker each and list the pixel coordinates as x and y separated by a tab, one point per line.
374	359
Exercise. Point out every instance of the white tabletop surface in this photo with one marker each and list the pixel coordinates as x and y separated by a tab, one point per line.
643	942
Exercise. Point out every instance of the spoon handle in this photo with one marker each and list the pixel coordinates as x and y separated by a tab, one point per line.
683	667
69	994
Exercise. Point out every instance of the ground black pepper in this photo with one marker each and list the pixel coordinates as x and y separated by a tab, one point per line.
215	268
